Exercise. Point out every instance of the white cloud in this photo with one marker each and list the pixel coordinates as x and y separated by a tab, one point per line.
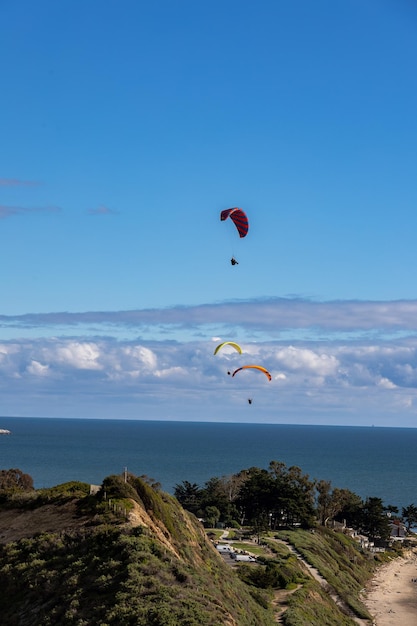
280	376
37	369
172	372
331	377
142	355
386	383
80	355
308	361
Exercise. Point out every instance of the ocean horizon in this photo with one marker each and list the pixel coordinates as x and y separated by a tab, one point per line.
372	461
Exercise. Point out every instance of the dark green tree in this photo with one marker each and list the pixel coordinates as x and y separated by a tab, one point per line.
325	510
260	525
256	496
375	522
211	516
409	514
222	493
281	495
347	507
293	496
189	495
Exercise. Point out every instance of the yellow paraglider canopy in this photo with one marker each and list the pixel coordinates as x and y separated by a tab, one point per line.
228	343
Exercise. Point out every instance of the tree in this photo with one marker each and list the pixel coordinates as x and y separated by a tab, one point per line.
155	484
211	516
15	480
233	483
189	496
375	522
324	501
293	495
347	507
392	509
279	495
260	525
222	493
256	496
409	514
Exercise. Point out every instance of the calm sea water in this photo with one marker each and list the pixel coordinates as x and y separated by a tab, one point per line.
371	461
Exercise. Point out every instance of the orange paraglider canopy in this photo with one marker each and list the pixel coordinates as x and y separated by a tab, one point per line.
256	367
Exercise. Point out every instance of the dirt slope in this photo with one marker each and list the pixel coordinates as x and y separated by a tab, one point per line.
16	524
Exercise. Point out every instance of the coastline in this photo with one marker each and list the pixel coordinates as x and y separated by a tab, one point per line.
391	595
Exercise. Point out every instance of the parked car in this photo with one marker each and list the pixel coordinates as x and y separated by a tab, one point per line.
248	558
224	547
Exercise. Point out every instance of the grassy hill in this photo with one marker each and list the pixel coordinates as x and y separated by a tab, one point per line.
131	555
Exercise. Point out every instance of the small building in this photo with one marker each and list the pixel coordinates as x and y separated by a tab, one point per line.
364	542
398	530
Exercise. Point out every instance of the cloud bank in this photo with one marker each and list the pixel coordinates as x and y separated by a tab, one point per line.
347	362
270	316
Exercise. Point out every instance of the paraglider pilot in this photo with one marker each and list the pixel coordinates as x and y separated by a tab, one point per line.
233	261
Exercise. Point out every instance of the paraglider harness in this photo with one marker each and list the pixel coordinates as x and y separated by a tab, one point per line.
233	261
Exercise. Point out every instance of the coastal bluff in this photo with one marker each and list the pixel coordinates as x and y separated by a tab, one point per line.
130	554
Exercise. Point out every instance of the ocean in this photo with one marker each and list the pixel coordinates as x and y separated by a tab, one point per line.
371	461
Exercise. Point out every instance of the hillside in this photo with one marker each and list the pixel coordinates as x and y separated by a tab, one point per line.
133	557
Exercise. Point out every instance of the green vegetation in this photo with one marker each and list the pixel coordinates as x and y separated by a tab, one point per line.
159	572
111	576
282	572
409	514
311	605
258	497
284	497
14	481
132	555
338	559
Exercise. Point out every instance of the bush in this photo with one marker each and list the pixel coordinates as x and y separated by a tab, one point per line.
115	487
15	480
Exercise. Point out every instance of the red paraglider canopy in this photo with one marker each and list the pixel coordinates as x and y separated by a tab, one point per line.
239	218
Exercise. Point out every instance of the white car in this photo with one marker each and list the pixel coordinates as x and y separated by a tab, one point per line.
248	558
224	547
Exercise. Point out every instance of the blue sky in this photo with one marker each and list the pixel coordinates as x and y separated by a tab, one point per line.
127	127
